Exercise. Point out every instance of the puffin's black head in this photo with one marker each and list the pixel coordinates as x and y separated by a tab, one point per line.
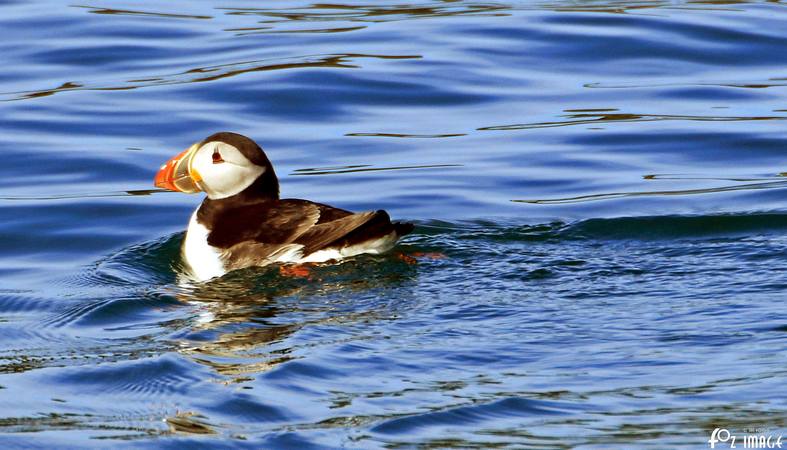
222	165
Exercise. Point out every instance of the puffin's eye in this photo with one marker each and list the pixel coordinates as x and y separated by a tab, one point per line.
217	159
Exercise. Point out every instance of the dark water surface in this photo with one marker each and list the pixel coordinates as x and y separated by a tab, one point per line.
603	179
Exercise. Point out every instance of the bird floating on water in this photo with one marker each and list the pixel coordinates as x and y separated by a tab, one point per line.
243	222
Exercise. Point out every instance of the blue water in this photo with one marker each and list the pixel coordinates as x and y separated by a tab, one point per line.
598	187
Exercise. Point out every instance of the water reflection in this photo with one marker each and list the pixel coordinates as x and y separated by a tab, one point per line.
208	73
403	135
365	168
189	423
129	12
367	13
243	320
613	195
591	118
135	192
627	7
761	84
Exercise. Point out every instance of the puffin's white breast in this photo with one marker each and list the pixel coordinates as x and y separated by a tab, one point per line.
203	260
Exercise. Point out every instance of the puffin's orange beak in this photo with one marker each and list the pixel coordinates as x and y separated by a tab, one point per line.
178	175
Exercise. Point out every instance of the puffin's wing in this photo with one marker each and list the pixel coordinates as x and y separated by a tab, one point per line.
326	233
247	254
270	223
269	230
345	229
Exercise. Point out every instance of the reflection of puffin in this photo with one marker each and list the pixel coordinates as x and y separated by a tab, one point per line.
243	223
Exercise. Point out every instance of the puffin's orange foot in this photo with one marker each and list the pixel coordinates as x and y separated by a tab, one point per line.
429	255
296	270
407	258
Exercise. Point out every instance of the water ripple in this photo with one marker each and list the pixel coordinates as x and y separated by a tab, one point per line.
584	119
204	74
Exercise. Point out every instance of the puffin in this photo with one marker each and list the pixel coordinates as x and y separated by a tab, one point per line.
243	223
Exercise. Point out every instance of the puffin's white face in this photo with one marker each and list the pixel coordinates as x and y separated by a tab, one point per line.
223	170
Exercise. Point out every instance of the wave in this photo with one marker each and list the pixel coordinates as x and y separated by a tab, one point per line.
637	227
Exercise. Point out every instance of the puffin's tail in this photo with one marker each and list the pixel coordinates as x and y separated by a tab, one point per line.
378	226
402	228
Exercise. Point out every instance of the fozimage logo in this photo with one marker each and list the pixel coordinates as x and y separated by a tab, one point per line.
749	440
